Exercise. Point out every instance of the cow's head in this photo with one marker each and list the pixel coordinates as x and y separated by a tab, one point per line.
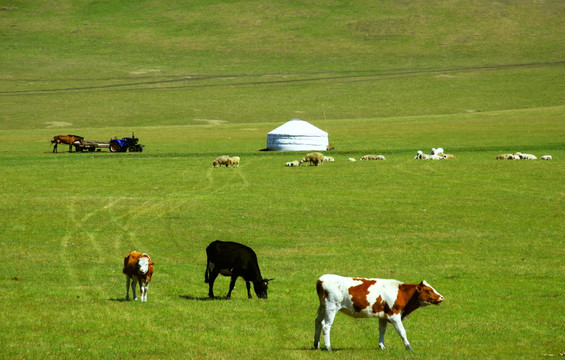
143	264
428	295
261	287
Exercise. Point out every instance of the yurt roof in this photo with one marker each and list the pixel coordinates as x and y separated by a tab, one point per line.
298	127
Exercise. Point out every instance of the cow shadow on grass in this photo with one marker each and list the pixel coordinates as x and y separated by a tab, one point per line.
201	298
118	299
323	349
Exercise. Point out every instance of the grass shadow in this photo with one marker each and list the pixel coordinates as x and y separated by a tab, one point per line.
201	298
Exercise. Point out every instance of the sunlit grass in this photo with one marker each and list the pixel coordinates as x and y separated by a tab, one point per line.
486	233
201	79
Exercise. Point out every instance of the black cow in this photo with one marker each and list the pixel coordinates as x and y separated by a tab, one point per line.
232	259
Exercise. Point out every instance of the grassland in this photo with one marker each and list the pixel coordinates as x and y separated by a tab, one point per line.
198	80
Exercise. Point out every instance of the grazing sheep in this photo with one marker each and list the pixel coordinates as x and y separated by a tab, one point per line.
223	160
351	159
449	156
328	159
420	155
235	160
526	156
293	163
438	151
315	158
505	157
434	157
215	163
373	157
546	157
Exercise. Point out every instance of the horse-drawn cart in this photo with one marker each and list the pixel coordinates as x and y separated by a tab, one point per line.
114	145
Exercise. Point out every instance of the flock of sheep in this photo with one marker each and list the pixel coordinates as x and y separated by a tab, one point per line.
521	156
436	154
317	158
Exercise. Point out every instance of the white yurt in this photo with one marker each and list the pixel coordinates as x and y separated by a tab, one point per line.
297	135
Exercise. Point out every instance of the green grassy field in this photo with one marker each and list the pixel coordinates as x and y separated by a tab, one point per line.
198	80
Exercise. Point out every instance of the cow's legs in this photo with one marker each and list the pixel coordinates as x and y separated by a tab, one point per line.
397	322
327	321
248	289
318	331
232	285
212	277
128	281
133	286
382	329
209	267
143	289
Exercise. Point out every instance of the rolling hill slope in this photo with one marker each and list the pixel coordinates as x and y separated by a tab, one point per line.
108	63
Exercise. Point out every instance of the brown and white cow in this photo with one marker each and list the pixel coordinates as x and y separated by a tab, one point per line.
388	300
139	268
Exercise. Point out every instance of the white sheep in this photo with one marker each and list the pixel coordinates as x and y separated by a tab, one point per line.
420	155
293	163
351	159
373	157
505	157
435	157
235	160
546	157
438	151
527	156
315	157
328	159
222	160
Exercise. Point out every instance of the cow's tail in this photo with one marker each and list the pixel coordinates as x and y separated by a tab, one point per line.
207	273
126	261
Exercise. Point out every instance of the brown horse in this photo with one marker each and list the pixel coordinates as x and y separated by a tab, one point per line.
65	139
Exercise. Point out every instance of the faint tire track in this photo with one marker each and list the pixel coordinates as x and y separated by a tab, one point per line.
231	80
